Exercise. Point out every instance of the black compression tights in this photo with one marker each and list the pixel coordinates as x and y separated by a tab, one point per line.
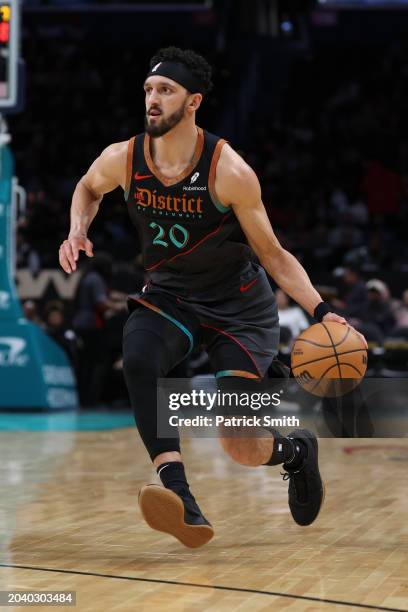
141	374
152	346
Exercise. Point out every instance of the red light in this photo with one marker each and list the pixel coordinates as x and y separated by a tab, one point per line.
4	32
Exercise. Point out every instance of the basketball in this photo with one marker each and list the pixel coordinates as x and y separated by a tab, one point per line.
329	359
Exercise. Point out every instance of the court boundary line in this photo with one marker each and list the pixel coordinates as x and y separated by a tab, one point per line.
203	586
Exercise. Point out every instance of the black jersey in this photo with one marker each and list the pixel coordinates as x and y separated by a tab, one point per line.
190	242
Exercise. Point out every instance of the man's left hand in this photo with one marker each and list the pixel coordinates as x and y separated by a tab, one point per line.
332	316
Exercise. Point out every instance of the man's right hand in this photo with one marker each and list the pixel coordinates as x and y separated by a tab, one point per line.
69	252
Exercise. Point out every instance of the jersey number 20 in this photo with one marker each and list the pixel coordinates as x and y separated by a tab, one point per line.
162	233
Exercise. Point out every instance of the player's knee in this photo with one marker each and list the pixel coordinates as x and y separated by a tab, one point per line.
136	365
141	358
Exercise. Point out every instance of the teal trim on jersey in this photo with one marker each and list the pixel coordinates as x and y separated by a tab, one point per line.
183	328
223	373
220	207
170	318
237	373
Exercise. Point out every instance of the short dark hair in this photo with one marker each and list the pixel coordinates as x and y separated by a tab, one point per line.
192	60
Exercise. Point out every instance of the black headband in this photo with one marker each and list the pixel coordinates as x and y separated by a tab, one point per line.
179	73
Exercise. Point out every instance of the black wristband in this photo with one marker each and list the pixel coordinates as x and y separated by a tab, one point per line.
321	310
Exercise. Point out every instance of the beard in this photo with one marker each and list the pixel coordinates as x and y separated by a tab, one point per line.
165	125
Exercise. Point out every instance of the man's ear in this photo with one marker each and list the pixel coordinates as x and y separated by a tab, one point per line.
194	102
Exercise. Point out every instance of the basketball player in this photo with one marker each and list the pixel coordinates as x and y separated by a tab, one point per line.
197	208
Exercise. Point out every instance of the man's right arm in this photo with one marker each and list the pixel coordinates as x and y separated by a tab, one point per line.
106	173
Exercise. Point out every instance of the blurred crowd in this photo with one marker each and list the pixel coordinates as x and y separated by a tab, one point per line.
331	155
333	159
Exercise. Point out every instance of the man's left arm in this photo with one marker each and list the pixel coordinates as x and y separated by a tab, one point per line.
237	185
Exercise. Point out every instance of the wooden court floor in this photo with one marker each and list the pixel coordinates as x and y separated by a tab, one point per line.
70	521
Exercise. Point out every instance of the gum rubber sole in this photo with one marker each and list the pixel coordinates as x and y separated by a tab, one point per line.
163	510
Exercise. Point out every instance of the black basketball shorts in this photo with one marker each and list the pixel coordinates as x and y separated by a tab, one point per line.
240	329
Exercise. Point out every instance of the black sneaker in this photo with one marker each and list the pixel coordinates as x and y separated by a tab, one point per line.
181	517
306	489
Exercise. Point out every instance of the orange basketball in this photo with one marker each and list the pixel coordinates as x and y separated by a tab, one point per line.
329	359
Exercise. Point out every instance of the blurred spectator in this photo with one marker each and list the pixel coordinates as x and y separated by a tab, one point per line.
290	315
91	300
378	307
91	306
31	313
355	299
401	311
56	327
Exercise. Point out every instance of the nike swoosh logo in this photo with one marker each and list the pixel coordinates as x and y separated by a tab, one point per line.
162	468
141	177
248	285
